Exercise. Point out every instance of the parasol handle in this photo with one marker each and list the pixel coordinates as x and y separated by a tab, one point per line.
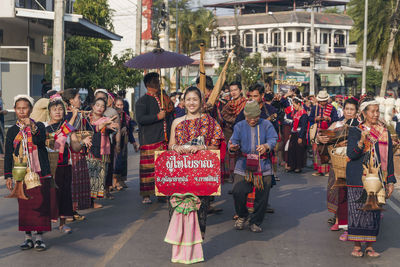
162	99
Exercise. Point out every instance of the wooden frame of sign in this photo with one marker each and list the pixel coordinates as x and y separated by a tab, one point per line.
217	191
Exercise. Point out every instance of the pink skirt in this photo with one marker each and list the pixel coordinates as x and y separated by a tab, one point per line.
185	236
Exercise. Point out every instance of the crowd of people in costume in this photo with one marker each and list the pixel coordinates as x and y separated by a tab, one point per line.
255	130
60	157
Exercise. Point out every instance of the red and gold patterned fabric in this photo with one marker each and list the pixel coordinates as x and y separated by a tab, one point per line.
206	126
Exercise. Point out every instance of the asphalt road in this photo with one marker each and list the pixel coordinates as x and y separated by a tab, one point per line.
127	233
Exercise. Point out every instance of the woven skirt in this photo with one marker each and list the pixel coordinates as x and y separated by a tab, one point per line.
35	213
363	225
97	174
332	193
80	181
146	172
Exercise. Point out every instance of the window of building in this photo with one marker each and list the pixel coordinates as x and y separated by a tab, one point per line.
298	37
222	41
334	63
277	38
1	36
289	37
261	38
325	38
339	40
248	40
305	62
235	40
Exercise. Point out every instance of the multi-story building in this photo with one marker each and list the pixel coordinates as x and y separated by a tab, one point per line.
24	27
280	32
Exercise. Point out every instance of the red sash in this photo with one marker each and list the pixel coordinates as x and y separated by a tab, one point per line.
296	119
327	113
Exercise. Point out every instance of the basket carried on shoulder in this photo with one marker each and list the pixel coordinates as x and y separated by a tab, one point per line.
339	165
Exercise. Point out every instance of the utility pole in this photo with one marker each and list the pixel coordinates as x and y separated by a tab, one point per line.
314	3
177	82
58	46
312	54
138	45
364	70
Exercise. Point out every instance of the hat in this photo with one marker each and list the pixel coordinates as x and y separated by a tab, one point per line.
26	97
104	91
323	96
252	109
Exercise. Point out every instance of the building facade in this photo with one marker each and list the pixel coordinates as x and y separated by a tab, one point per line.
25	26
283	39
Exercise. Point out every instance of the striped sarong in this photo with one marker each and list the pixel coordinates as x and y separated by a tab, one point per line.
318	166
146	172
363	225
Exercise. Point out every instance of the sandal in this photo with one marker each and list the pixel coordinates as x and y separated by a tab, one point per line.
78	217
335	227
343	237
357	253
65	229
317	174
370	252
332	220
146	201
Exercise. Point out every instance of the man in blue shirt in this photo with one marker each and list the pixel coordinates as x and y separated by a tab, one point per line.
252	136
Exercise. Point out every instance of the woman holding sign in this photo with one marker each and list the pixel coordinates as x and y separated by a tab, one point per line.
194	132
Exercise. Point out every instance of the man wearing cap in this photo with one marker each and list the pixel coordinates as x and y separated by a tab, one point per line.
253	138
323	115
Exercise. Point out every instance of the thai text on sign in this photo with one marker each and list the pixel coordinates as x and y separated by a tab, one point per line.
198	173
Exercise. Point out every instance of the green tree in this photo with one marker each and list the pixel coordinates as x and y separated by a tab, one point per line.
374	79
332	10
246	71
383	42
194	25
88	61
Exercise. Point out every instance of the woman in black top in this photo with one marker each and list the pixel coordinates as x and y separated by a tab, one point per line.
65	140
34	213
80	173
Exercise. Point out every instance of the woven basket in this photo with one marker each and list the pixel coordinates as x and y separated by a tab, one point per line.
53	159
339	163
83	134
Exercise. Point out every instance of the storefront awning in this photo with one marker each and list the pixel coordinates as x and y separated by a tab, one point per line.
74	24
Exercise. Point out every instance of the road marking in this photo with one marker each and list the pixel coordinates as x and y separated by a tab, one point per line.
125	236
394	206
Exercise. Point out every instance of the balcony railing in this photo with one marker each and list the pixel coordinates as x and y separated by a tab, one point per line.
338	50
45	5
274	49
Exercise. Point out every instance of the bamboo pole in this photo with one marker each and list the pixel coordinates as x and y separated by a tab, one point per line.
220	82
202	84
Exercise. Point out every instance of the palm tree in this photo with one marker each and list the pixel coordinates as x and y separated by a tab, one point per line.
383	44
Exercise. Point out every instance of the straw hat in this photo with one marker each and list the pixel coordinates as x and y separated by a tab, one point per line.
323	96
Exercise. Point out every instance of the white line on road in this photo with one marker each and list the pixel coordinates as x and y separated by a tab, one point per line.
125	236
394	206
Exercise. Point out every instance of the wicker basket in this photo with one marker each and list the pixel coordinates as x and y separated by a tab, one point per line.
53	159
339	163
